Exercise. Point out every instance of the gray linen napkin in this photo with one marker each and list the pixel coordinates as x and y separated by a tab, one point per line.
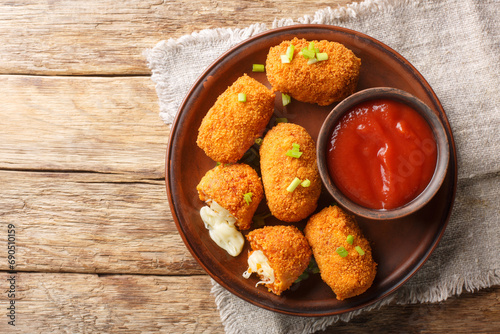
455	44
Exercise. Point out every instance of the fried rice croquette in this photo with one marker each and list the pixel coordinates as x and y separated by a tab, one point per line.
279	255
230	127
279	170
323	82
227	185
348	276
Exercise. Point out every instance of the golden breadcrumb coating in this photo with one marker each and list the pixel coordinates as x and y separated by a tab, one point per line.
230	127
279	170
347	276
323	82
227	185
287	251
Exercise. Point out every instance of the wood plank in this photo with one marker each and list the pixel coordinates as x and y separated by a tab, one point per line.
105	125
477	312
76	303
87	303
108	37
91	223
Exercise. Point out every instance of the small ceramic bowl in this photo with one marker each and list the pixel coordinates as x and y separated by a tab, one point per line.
440	137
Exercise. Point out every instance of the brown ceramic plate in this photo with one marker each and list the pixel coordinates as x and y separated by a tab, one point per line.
400	247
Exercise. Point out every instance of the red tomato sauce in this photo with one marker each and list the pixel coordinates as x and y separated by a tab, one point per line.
382	154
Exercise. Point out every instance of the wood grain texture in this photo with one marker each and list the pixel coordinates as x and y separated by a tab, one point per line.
469	313
78	303
108	37
82	152
92	223
87	303
90	124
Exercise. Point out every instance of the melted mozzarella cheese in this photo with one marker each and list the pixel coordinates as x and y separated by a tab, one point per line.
220	224
258	263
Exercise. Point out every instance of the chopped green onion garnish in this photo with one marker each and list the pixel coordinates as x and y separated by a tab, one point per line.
359	250
258	68
322	56
285	59
258	141
350	239
303	276
295	183
308	53
311	46
242	97
306	183
281	120
248	198
259	219
312	268
312	61
286	99
289	51
218	163
295	151
251	157
293	154
316	50
342	251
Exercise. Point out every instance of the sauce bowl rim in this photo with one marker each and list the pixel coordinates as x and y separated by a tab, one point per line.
442	145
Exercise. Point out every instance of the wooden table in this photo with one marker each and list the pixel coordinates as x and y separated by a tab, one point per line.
82	176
